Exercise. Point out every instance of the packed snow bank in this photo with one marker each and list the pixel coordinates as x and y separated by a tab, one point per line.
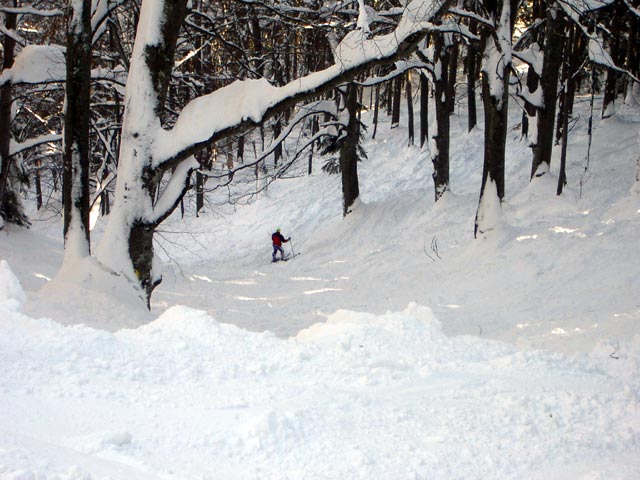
11	293
85	292
358	396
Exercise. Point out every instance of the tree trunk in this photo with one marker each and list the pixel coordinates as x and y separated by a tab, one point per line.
562	173
611	83
38	185
633	50
376	110
77	120
424	108
127	244
440	157
554	40
397	97
10	206
349	152
388	96
472	76
453	52
495	96
410	124
199	192
277	152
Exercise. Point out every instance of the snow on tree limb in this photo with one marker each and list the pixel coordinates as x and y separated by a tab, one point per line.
13	34
17	147
577	8
598	55
47	64
244	104
174	191
32	11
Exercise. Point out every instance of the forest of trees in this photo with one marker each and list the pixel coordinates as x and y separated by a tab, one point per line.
134	108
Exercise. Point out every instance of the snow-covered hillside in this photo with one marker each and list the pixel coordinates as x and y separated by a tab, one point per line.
395	346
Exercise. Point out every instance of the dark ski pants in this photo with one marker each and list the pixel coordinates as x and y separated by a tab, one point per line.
276	249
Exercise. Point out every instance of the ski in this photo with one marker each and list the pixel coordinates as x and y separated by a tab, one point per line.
286	259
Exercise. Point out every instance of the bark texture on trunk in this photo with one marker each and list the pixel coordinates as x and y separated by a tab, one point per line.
349	152
10	206
553	47
440	157
77	119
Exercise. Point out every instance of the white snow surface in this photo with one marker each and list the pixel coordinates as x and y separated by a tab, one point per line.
394	347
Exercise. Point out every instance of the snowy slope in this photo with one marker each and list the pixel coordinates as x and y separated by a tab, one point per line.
394	346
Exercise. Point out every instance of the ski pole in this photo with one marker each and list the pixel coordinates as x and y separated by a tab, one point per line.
293	253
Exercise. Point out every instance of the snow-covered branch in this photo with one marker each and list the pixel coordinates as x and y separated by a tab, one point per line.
47	64
402	66
598	55
174	191
17	147
100	16
31	11
12	34
472	16
245	104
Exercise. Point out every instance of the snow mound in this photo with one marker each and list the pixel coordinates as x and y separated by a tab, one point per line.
86	293
11	293
358	396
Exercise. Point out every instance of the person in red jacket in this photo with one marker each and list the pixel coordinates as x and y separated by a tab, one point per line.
278	240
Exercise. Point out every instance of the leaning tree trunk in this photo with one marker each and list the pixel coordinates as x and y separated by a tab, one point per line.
349	152
75	180
554	40
440	156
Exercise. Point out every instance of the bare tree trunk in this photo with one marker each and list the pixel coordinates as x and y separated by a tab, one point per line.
453	51
77	120
376	110
440	157
151	67
633	50
424	108
349	153
554	40
575	51
240	150
204	160
495	96
6	96
472	77
38	185
410	109
562	174
277	152
397	96
10	206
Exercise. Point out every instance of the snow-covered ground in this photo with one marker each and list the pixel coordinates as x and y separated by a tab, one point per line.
394	347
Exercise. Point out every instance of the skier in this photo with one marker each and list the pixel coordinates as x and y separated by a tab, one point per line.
278	240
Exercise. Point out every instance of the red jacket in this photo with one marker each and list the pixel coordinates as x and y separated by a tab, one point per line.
278	239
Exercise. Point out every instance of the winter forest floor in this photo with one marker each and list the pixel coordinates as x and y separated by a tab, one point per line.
394	346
